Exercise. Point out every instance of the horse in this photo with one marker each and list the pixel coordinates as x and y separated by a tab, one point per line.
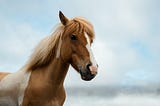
40	81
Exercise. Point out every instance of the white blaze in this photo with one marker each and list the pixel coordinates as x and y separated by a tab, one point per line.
88	46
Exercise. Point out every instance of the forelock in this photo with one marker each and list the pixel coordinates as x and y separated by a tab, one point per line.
80	25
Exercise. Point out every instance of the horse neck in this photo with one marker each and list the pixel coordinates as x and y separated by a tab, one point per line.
56	71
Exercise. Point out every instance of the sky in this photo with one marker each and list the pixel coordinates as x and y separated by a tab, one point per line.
126	47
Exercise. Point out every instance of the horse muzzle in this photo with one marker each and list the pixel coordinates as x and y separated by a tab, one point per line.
89	72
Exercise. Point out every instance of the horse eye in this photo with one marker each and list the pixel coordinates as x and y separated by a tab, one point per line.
73	37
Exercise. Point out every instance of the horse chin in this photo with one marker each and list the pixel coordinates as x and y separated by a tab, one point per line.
87	78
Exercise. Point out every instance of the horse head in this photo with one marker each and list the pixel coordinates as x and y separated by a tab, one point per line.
75	48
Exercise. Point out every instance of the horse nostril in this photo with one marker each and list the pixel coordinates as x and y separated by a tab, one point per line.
88	65
97	66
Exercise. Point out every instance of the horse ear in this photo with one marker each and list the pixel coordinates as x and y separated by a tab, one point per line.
64	20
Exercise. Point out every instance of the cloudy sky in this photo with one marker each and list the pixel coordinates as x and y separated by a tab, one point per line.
127	44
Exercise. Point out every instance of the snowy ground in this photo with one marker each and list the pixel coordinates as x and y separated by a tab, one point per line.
121	100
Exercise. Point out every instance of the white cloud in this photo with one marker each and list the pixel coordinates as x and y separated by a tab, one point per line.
17	42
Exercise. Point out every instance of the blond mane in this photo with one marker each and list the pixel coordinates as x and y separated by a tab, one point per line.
45	51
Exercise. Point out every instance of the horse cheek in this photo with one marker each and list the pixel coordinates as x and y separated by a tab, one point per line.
66	53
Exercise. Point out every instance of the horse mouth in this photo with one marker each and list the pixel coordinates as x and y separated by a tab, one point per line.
86	75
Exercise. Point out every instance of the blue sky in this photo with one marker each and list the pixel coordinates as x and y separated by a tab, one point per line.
127	45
